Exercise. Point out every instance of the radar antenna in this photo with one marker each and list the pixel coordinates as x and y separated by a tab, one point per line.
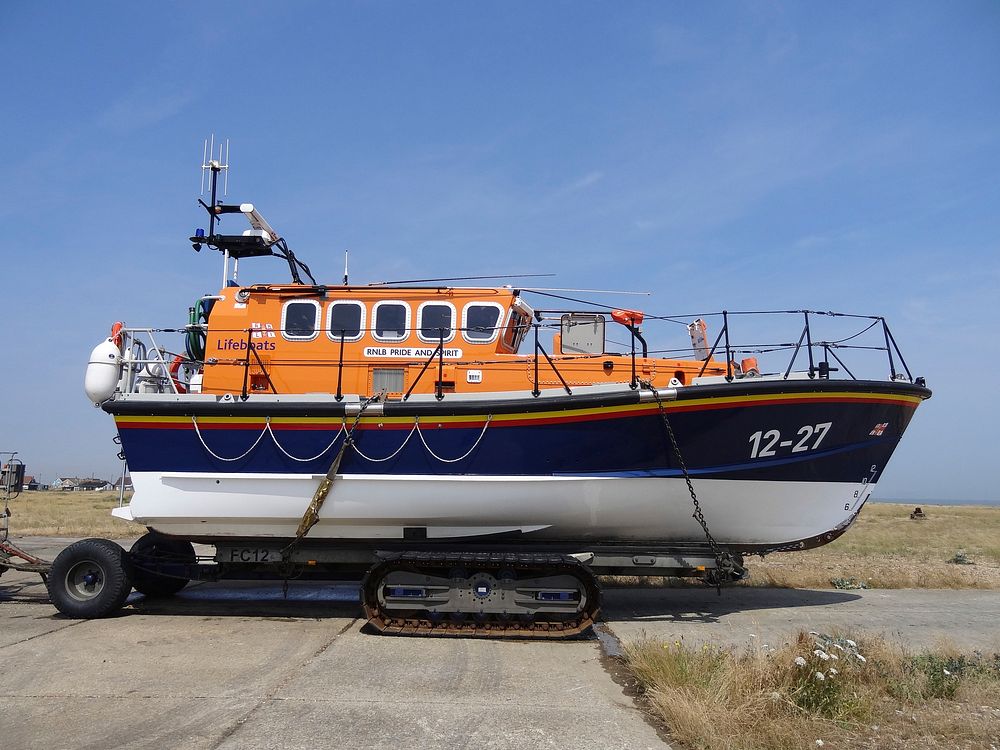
259	240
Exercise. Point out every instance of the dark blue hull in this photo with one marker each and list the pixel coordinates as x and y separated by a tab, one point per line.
809	431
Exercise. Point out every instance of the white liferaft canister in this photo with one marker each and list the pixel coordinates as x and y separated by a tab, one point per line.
104	370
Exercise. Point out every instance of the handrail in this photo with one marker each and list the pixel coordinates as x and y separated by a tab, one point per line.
809	344
796	352
535	391
824	359
895	346
263	369
251	349
892	365
439	391
340	368
634	382
437	349
729	356
830	351
715	346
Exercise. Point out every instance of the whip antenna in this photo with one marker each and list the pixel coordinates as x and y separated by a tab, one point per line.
463	278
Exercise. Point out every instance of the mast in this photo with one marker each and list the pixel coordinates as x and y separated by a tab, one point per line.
260	240
214	167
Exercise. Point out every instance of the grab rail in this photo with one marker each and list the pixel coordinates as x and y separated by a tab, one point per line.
154	362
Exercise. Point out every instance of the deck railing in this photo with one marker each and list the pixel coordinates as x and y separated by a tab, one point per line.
150	360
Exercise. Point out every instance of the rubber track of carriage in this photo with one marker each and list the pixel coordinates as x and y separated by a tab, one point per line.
393	624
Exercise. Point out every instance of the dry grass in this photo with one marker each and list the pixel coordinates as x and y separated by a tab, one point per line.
760	698
75	514
885	549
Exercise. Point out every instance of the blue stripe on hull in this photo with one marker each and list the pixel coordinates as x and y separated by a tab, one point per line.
716	443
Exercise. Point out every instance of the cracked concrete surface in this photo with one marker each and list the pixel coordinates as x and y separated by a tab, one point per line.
236	666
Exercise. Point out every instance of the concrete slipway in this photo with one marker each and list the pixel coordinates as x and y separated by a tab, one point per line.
235	666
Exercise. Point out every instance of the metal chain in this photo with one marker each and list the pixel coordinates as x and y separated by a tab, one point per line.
311	515
723	560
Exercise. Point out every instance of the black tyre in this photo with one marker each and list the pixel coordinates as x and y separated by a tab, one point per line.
90	579
160	564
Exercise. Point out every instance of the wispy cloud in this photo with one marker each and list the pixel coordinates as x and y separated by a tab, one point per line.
143	108
588	180
675	44
591	178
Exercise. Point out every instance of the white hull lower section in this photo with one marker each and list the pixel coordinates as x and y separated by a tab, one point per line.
552	508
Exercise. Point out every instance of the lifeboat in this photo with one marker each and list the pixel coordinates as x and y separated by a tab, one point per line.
479	453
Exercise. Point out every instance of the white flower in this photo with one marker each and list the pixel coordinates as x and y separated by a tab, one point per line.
822	655
946	672
799	661
861	658
775	696
838	646
752	635
820	676
833	671
851	643
834	656
819	743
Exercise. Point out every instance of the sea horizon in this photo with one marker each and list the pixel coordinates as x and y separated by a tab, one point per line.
935	501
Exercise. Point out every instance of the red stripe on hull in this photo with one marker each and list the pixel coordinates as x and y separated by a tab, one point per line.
673	406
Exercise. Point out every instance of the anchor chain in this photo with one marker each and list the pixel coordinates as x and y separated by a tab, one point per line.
727	567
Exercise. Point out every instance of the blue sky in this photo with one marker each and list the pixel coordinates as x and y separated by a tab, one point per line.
836	156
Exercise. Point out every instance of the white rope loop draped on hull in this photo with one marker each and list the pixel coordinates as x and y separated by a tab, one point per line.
213	454
489	418
415	429
274	437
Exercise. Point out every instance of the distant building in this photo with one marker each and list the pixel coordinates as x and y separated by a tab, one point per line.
76	484
118	484
94	485
30	483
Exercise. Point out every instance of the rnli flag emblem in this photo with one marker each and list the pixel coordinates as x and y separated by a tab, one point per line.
878	429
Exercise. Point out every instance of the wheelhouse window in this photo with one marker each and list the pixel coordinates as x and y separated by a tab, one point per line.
347	318
480	322
517	326
299	320
392	320
435	319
